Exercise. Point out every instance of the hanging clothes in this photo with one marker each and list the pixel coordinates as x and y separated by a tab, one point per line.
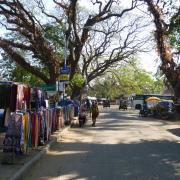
7	117
41	128
20	97
25	131
13	135
30	130
5	94
34	130
13	97
62	122
26	98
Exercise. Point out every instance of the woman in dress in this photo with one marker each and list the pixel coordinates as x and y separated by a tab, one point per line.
95	112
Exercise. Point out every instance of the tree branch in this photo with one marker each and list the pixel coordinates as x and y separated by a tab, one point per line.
22	62
16	45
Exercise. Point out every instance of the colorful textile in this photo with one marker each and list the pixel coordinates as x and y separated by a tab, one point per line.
5	94
27	130
13	135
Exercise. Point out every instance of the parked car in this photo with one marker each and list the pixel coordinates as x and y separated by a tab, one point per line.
123	105
165	109
106	103
100	101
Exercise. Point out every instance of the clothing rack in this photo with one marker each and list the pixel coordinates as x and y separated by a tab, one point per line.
45	121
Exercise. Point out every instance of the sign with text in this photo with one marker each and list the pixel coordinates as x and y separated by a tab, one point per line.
48	87
63	77
65	70
64	74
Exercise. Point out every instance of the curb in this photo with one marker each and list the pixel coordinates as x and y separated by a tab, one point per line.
19	174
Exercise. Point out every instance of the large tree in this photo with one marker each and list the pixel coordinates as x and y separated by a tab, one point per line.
81	29
166	16
127	79
22	23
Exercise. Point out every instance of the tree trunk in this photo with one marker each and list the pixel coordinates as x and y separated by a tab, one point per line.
76	92
177	96
168	66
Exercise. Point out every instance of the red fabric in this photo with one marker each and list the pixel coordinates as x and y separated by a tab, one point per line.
33	129
26	91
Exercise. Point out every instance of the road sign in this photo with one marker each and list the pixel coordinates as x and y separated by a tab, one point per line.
63	77
64	74
65	70
48	87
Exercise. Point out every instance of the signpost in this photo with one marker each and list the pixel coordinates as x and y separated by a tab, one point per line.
65	70
64	74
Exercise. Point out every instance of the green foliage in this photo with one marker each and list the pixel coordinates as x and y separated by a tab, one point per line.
174	29
14	72
55	35
21	75
76	85
126	80
77	81
68	90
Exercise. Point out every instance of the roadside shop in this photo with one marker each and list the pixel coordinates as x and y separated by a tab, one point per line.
28	118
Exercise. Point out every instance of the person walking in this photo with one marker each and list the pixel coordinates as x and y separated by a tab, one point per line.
95	112
82	114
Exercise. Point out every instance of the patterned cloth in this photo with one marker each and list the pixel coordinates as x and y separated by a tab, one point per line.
13	135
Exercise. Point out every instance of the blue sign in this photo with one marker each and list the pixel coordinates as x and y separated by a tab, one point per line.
65	70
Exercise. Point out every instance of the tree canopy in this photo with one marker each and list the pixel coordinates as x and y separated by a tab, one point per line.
166	16
91	35
97	39
128	79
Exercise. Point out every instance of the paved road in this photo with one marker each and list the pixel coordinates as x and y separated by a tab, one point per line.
121	147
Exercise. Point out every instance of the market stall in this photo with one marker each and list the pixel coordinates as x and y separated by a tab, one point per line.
28	118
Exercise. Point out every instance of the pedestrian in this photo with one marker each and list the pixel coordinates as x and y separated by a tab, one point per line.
89	104
82	114
95	112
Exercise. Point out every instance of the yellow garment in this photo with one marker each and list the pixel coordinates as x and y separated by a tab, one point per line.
26	131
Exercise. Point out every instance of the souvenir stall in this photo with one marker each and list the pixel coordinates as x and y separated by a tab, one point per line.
68	108
28	117
13	97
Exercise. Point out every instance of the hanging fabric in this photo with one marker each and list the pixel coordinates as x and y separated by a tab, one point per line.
13	135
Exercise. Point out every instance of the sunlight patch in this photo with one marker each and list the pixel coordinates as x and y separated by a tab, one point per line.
66	152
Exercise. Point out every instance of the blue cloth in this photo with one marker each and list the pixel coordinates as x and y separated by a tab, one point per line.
65	103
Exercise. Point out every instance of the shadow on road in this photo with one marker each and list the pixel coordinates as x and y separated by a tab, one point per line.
175	131
106	159
144	161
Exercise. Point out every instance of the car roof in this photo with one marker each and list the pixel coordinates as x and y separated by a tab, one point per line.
165	100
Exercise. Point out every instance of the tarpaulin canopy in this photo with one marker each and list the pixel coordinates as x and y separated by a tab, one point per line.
153	99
